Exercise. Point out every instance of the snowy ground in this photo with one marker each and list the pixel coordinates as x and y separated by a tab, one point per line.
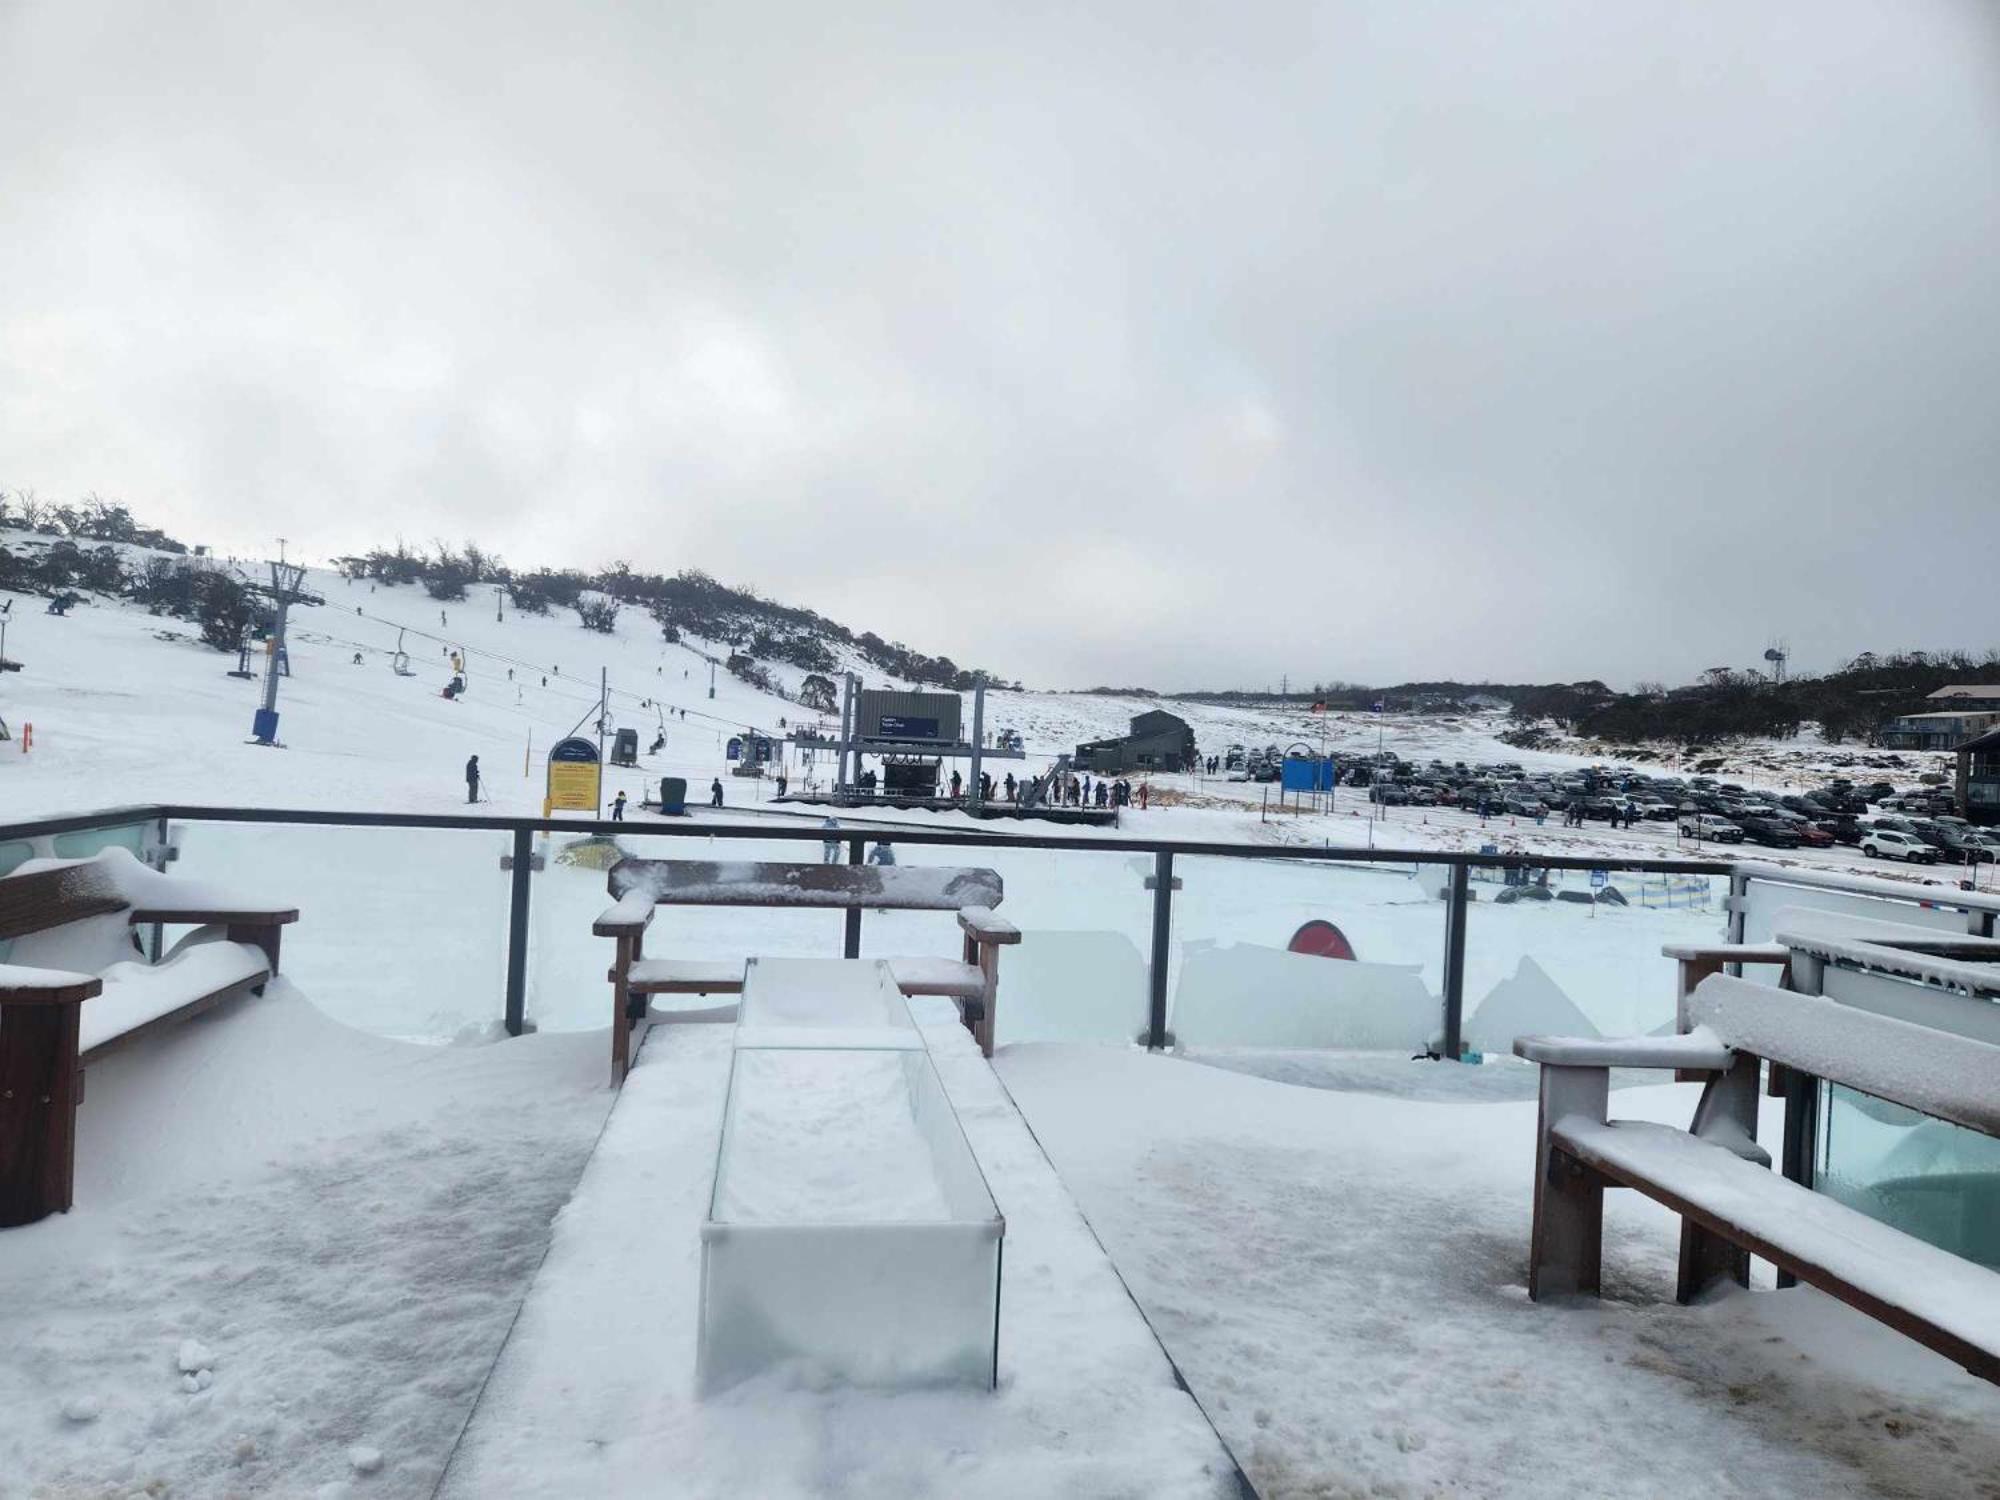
292	1244
1340	1276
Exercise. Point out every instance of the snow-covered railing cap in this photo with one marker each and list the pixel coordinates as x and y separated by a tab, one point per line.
1936	1072
1956	960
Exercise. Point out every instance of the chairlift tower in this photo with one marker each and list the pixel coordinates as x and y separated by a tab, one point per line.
1777	654
285	589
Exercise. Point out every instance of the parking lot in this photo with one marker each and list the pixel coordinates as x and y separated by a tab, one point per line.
1868	826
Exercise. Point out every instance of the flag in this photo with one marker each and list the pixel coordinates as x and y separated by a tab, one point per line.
1378	705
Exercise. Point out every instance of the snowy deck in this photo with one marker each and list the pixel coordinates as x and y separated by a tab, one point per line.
595	1393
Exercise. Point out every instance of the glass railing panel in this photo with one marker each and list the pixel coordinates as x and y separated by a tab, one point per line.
1079	972
1934	1180
1577	952
401	931
568	988
83	842
1766	898
1290	954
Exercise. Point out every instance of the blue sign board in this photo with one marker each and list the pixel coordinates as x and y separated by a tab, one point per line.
733	750
902	727
1306	775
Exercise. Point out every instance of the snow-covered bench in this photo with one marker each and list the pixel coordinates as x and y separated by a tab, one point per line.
642	885
76	986
1719	1180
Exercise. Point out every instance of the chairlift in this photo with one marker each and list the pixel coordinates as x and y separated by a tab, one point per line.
400	662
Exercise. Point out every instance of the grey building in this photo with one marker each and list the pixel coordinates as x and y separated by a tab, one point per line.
1979	779
1158	741
1942	730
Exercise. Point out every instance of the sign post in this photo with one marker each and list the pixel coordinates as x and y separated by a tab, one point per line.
575	777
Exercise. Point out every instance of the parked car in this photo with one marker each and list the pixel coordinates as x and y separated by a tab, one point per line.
1889	843
1815	836
1770	832
1524	805
1708	826
1388	794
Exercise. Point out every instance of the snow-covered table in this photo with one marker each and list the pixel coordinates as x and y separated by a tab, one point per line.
642	885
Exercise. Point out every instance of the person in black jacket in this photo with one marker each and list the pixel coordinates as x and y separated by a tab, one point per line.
472	779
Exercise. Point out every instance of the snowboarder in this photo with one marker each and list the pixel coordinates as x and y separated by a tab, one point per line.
715	792
1145	790
472	779
618	808
830	846
440	617
957	785
781	783
882	854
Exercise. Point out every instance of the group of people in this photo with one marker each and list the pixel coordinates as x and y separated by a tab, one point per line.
883	853
1081	791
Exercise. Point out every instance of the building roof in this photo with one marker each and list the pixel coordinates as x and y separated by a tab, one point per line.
1988	692
1951	713
1987	741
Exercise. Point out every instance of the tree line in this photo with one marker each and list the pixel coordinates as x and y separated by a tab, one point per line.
689	602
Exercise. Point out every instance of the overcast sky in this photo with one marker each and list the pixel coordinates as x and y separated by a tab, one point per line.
1154	343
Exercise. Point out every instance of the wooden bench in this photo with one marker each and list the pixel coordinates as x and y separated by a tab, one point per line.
641	886
1716	1177
76	987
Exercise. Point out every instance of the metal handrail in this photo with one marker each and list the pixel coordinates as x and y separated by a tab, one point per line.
1981	907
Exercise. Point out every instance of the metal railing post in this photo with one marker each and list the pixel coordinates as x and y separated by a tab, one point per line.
517	932
1163	926
851	948
1454	962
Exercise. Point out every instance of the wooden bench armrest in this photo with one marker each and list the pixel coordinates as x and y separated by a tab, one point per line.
983	925
1696	1051
1729	953
214	916
628	916
24	986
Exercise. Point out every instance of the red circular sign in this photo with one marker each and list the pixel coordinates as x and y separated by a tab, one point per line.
1322	940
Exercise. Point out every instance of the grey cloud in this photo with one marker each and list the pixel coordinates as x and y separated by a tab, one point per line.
1186	344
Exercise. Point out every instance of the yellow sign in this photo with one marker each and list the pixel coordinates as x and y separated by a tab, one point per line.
575	779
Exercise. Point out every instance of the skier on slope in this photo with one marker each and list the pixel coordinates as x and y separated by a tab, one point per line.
830	846
472	779
715	792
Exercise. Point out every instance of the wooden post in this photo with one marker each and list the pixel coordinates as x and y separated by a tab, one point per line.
621	1022
989	995
1727	1115
1567	1244
40	1087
